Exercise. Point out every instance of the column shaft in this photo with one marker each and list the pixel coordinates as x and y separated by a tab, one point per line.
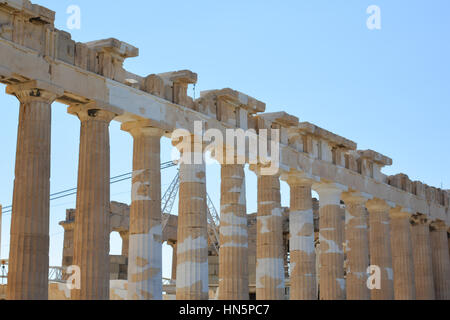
29	244
192	236
441	261
233	256
423	267
331	237
301	243
269	242
92	223
380	248
125	242
145	234
357	248
174	262
402	257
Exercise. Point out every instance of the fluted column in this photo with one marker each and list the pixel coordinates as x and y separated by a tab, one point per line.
331	237
269	239
67	243
301	241
402	255
92	223
357	246
125	236
233	254
145	239
192	235
441	261
29	244
67	259
423	267
380	247
173	275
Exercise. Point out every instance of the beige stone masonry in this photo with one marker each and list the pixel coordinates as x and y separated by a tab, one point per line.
20	63
192	238
301	240
111	53
176	86
380	247
233	254
68	225
173	244
357	246
41	64
269	239
125	236
370	164
29	244
441	260
423	267
331	237
402	255
145	233
92	223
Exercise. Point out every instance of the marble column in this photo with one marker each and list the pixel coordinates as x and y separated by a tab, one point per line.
233	254
440	258
192	235
145	239
29	244
301	241
380	247
331	237
173	244
423	267
67	259
125	236
402	255
92	223
357	246
269	240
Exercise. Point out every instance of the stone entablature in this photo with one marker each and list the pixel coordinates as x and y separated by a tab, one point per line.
93	72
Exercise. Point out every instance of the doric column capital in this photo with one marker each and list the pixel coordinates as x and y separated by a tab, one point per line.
227	155
185	141
141	128
297	178
125	235
90	111
438	225
172	243
68	226
377	205
358	198
329	193
35	91
400	213
419	219
263	170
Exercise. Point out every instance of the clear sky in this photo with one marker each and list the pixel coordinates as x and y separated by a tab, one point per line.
387	90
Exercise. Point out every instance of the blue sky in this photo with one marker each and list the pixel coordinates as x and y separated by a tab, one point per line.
387	90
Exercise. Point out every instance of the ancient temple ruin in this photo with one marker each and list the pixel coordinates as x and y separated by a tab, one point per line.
364	218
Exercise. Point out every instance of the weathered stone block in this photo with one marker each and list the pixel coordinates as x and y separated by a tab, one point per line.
81	55
65	48
418	189
154	85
